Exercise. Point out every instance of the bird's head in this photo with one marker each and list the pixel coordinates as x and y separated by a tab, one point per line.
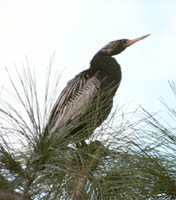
117	46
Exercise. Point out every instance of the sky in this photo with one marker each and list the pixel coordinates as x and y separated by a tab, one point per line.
73	31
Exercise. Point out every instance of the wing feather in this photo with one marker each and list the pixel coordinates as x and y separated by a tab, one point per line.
74	100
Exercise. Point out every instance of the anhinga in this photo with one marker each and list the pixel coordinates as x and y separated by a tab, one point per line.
88	98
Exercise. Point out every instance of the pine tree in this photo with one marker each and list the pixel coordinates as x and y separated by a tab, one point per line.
124	159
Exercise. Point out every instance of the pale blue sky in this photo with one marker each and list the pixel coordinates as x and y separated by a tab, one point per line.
75	30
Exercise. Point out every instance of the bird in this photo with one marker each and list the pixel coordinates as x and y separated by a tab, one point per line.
87	99
85	102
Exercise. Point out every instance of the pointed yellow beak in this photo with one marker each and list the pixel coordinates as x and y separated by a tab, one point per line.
130	42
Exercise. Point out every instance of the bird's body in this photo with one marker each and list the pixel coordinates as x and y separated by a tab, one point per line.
87	99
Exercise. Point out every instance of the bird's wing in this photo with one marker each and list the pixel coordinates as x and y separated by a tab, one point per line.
74	100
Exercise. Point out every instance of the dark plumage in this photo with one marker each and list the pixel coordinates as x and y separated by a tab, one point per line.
88	98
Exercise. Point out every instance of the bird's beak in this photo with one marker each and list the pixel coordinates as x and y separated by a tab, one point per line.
130	42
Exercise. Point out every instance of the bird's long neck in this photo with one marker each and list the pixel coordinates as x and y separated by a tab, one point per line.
107	66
